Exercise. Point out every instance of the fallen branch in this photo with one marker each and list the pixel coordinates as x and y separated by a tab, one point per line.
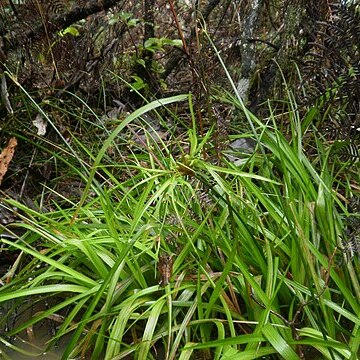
57	22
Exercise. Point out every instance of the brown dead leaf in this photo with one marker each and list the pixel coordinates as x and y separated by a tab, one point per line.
6	156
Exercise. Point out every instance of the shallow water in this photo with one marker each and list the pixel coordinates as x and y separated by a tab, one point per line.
33	347
31	353
31	342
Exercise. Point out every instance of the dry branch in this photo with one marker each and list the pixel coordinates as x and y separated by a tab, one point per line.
58	22
180	54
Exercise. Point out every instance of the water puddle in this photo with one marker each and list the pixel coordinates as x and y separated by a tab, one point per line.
32	342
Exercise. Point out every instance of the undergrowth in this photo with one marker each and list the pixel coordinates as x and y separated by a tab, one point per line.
251	256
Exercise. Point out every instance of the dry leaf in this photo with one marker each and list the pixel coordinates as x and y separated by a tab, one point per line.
40	124
165	265
6	156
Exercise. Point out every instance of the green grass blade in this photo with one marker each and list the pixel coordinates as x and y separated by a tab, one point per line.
275	339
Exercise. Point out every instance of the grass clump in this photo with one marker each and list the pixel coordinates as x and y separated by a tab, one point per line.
253	257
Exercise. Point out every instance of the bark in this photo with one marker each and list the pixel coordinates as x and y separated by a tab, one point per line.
248	48
295	33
